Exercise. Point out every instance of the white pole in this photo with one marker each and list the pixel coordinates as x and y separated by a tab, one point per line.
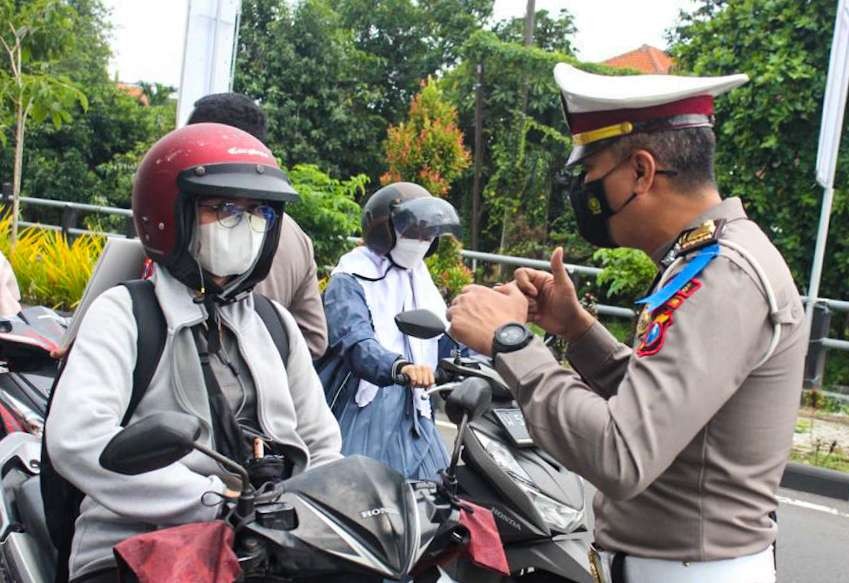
211	31
180	96
834	103
819	254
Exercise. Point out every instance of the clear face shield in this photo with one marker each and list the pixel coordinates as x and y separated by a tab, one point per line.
417	224
425	219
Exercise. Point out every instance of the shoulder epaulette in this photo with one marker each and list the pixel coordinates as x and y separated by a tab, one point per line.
691	269
698	237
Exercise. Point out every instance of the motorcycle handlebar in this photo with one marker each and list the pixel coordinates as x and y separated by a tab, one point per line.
440	378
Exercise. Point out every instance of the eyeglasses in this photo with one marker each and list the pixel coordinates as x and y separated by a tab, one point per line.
260	216
573	178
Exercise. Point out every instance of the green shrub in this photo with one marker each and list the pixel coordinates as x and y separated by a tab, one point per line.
626	272
327	211
447	269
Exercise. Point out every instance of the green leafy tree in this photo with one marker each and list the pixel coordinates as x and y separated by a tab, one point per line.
91	158
36	34
410	40
767	130
157	93
326	211
302	64
428	148
550	33
524	208
333	76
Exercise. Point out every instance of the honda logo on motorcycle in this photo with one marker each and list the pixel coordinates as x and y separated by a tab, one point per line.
377	512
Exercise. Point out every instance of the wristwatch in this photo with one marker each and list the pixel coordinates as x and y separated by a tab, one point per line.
510	337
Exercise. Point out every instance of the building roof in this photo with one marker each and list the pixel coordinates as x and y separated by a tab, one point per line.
645	59
134	91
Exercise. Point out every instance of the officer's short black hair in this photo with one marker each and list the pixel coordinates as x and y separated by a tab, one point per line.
690	152
232	109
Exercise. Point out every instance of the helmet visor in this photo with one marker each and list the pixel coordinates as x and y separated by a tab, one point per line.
425	219
240	180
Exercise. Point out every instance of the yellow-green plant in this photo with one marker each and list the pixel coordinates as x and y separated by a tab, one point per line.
50	270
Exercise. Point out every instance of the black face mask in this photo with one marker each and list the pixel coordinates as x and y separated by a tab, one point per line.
592	211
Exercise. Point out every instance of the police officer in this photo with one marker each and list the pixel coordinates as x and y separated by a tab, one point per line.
686	434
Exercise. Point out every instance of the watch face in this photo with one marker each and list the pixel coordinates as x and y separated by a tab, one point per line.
511	334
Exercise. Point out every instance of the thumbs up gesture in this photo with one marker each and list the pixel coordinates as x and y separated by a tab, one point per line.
552	300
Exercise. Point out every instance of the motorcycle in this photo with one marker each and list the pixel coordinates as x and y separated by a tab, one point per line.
538	504
26	367
348	517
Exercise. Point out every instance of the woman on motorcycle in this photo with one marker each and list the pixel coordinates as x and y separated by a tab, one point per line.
207	203
378	417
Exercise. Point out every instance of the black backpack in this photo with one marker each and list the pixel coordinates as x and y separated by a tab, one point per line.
61	498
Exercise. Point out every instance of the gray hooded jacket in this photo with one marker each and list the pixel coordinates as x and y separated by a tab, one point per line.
94	392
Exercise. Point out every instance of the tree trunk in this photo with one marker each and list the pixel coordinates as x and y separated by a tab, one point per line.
19	166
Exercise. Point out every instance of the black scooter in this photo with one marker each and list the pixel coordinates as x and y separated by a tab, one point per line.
26	368
538	504
351	517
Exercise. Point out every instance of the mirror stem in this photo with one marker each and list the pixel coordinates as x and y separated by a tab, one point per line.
247	488
450	478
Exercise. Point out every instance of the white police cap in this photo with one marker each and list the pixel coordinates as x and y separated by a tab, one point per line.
599	108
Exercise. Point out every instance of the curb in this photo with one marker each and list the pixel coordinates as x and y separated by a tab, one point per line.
816	480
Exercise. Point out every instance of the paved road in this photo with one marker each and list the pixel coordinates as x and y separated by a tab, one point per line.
813	544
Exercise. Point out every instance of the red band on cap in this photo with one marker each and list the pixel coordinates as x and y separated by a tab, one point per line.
585	122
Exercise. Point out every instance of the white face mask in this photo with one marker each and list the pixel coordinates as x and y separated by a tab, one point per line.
409	252
227	251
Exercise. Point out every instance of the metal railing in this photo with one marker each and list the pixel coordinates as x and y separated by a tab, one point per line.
71	210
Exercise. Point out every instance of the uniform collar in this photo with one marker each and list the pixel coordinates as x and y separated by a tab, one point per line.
728	210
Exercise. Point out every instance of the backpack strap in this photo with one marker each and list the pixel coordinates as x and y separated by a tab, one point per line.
150	339
274	323
61	498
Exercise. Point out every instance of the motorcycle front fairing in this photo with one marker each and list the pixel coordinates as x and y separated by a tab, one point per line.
353	515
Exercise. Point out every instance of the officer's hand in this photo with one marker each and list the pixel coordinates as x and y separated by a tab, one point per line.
552	301
478	311
58	354
420	375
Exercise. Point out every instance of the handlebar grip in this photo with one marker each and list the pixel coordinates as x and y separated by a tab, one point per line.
402	379
441	377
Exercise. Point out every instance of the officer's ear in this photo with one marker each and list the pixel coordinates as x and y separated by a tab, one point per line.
644	166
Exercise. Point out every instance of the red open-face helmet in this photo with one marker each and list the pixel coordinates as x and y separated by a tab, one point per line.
205	159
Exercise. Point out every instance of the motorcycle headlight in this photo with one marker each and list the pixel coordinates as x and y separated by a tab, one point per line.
560	516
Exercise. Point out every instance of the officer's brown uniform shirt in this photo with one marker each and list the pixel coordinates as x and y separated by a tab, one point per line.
686	443
292	281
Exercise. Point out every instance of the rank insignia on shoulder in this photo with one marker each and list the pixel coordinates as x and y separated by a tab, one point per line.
652	326
698	237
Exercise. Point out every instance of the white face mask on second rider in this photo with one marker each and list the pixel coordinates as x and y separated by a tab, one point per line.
225	251
407	253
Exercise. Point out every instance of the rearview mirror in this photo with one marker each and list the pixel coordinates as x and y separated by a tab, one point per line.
151	443
473	397
422	324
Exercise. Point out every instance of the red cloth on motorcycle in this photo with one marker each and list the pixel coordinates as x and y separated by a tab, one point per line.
200	552
8	421
484	548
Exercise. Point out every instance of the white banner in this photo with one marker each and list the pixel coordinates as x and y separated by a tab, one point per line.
834	103
208	57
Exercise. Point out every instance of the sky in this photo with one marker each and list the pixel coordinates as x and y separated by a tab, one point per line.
148	34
